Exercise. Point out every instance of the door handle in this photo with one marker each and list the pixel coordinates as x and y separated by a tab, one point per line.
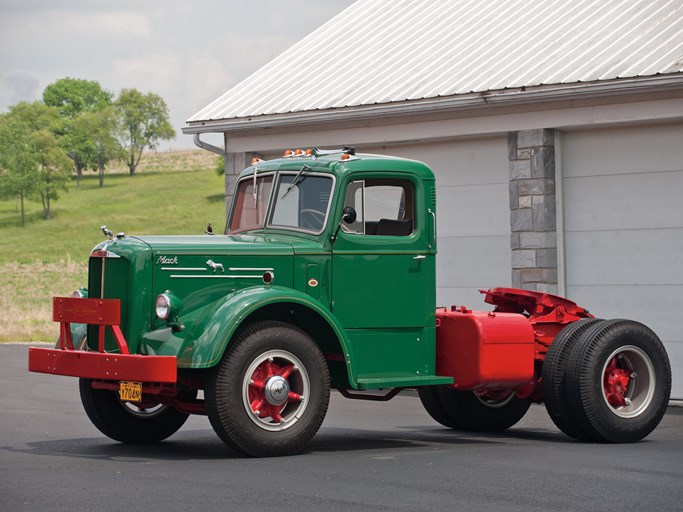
420	257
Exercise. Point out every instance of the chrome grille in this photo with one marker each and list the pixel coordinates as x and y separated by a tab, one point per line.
116	279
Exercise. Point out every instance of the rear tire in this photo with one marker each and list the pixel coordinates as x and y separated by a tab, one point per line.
618	381
431	401
492	411
128	422
554	377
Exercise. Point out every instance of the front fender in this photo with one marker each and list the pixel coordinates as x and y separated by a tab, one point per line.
206	342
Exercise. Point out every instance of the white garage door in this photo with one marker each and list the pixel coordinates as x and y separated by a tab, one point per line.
623	197
473	215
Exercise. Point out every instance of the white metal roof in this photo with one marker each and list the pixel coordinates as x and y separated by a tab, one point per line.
385	51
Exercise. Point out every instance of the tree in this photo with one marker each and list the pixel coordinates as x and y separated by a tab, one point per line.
18	163
54	169
144	123
34	165
100	128
220	165
73	97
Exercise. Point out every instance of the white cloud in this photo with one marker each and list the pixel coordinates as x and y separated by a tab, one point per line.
19	86
97	25
188	52
153	72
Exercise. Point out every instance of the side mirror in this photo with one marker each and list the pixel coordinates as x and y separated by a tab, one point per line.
349	215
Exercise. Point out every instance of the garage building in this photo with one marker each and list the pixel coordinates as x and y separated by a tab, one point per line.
555	130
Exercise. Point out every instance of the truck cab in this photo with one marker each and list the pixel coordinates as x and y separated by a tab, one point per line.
363	235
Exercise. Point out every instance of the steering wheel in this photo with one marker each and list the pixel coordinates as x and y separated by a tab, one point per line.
312	219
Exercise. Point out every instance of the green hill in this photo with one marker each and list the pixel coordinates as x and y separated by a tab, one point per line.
172	193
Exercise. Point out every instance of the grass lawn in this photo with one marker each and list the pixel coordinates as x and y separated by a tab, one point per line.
174	193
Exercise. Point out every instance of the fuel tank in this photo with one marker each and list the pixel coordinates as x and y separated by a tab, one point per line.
484	350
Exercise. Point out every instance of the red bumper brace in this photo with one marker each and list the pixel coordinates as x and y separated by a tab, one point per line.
99	365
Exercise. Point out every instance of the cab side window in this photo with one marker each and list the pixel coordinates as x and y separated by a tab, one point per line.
384	207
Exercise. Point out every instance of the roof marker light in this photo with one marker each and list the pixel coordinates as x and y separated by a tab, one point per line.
256	160
288	153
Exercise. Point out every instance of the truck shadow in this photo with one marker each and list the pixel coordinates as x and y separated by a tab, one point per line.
204	445
197	445
338	439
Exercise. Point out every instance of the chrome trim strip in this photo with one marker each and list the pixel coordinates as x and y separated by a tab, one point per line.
236	269
185	276
180	269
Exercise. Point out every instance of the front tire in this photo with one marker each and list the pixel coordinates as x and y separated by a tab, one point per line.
618	381
269	394
128	422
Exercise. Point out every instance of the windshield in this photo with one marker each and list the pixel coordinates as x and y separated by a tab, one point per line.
251	203
301	201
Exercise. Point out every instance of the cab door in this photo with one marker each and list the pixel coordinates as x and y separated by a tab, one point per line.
383	276
383	266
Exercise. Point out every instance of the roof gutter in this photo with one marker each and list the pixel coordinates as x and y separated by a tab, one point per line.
205	145
461	102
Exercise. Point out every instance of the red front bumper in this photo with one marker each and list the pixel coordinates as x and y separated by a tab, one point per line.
102	366
99	365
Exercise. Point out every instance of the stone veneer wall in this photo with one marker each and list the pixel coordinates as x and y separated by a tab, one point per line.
533	223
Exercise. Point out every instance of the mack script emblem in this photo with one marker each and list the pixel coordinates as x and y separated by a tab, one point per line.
165	260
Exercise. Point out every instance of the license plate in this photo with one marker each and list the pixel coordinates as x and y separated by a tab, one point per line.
130	391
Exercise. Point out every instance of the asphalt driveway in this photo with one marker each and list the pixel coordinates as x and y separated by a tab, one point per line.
367	456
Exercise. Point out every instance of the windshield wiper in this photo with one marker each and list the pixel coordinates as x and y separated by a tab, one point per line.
296	180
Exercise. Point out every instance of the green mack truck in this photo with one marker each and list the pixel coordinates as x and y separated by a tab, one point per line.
325	278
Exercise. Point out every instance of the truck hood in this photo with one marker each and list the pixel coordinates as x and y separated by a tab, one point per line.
256	245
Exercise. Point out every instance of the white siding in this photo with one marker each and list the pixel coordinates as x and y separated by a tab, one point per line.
473	215
624	228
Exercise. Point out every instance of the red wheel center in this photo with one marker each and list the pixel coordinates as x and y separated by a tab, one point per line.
259	401
615	383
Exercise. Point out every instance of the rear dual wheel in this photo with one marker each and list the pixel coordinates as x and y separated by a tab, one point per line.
487	411
612	381
554	379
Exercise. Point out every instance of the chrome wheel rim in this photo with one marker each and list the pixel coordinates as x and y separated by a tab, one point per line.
495	399
143	410
275	390
628	381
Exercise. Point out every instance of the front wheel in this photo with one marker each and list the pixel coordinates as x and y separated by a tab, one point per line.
129	422
270	393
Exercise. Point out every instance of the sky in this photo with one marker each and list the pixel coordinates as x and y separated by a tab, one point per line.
187	51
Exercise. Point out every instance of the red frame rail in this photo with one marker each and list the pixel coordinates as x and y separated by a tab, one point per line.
101	365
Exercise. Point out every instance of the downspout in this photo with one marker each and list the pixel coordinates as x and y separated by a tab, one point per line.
559	209
209	147
219	151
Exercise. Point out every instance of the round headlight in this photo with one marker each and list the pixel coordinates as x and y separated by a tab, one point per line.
81	293
163	306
